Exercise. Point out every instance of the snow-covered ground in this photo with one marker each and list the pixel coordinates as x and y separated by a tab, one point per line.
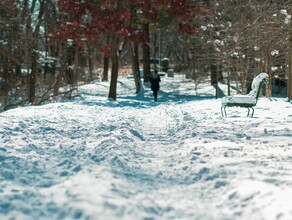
137	159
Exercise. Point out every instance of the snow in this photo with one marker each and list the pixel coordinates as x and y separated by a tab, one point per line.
136	159
249	98
239	99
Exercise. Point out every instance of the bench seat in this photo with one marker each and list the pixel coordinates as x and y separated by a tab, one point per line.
245	101
238	99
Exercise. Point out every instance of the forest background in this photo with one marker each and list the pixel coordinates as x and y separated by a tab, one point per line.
50	47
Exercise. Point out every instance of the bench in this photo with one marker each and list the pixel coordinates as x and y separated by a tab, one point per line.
245	101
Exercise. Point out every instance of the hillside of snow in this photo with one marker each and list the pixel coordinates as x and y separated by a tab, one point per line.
136	159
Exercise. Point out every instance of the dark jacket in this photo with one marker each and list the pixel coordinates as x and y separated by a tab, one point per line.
155	83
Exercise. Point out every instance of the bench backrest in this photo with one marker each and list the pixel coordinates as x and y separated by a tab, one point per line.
257	84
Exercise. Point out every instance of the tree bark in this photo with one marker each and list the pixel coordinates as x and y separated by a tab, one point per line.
135	65
269	72
105	68
32	78
72	56
146	53
115	61
90	64
289	95
34	54
115	68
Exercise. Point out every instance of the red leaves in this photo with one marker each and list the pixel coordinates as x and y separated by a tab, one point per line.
88	20
95	18
106	50
68	31
73	7
8	6
179	13
137	35
187	28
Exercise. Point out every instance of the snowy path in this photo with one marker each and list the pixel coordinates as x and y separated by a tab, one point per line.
176	159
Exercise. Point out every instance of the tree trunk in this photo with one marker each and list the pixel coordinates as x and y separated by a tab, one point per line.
135	66
32	78
134	51
146	53
269	72
105	68
228	83
90	64
34	54
72	52
115	61
5	87
289	95
115	68
155	51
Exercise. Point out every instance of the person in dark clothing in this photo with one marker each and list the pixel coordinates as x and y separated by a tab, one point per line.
155	80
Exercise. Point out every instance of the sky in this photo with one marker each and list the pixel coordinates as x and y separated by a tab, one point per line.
178	158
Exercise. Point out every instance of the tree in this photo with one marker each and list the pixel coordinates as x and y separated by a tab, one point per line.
246	37
33	34
9	58
92	19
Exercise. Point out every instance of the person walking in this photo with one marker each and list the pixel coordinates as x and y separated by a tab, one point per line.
155	80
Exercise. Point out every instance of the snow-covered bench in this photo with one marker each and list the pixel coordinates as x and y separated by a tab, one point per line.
246	101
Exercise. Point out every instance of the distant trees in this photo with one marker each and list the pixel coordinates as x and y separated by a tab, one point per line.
245	37
13	49
32	67
49	44
125	22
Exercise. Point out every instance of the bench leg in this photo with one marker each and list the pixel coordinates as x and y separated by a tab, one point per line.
223	111
250	112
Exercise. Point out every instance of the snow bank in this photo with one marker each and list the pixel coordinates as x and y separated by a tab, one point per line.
136	159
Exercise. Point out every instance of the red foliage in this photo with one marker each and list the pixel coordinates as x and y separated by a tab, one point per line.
136	35
106	50
9	6
87	20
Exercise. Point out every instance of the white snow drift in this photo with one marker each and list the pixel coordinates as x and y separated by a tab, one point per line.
137	159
